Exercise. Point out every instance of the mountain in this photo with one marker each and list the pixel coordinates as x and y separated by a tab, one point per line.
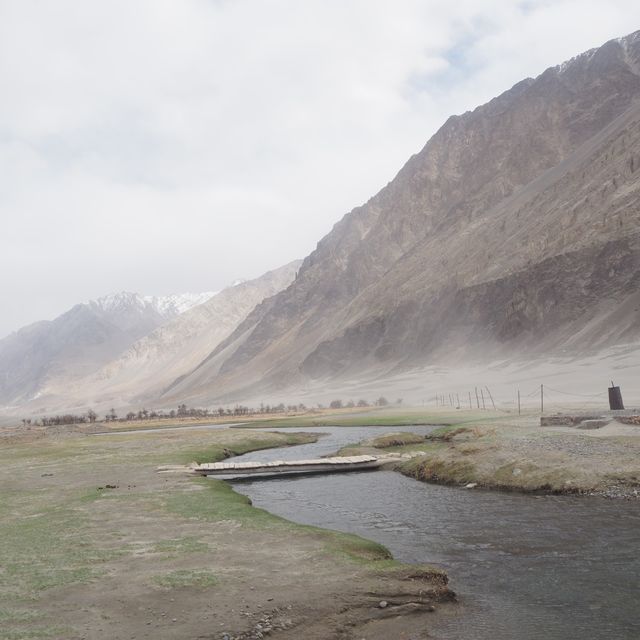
142	372
81	340
173	305
119	306
514	232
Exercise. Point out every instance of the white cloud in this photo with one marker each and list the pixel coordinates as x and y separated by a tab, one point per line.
169	145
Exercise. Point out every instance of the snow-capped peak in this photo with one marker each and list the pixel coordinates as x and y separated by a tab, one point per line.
178	303
115	301
168	306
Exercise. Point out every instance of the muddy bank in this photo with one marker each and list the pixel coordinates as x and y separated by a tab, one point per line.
96	544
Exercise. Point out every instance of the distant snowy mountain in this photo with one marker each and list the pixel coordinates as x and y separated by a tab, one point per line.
142	372
176	304
168	306
82	340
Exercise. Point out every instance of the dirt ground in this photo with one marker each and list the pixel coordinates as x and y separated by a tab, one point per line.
95	543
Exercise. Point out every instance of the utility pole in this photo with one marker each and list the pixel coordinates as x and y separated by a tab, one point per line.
470	405
518	401
541	398
492	402
482	394
477	399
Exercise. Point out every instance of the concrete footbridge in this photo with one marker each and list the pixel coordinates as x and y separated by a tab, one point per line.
337	464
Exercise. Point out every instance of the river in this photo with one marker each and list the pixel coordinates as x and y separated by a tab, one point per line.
523	566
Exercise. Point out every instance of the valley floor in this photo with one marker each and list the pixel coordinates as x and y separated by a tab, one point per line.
94	543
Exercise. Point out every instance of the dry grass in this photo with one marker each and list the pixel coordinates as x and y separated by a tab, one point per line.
95	543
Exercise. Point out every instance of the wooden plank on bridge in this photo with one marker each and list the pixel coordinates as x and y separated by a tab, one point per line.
316	465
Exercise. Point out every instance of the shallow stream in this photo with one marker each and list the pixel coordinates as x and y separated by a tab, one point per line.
523	566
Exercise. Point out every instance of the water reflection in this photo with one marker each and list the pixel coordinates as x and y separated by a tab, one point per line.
547	567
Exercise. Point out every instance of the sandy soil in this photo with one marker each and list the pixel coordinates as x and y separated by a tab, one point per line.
568	379
94	543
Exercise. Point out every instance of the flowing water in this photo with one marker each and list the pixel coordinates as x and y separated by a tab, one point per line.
523	566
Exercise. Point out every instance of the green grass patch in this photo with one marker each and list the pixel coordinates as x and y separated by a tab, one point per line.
382	418
433	469
187	578
421	447
396	440
220	502
351	450
12	616
34	632
447	433
44	547
40	451
217	452
359	550
188	544
92	495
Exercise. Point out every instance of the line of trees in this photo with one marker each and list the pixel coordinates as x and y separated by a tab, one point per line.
183	411
65	419
379	402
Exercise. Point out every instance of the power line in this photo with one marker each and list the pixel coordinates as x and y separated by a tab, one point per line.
581	395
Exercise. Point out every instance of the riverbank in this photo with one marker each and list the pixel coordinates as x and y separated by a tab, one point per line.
519	455
10	427
381	417
95	543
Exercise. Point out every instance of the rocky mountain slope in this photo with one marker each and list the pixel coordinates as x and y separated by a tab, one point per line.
81	340
142	372
513	232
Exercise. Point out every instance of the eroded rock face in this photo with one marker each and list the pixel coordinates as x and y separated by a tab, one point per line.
514	228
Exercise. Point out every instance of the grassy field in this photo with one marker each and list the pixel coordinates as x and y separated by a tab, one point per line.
387	417
94	543
373	416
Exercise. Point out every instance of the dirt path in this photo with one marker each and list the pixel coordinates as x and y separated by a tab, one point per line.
94	543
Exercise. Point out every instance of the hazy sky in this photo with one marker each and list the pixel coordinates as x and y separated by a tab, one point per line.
163	146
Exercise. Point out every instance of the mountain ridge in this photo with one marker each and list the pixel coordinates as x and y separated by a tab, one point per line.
488	196
81	339
168	305
123	349
141	373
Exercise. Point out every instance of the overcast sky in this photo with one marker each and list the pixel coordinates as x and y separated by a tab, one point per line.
164	146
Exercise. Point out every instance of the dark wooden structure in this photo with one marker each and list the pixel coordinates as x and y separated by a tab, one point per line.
615	398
